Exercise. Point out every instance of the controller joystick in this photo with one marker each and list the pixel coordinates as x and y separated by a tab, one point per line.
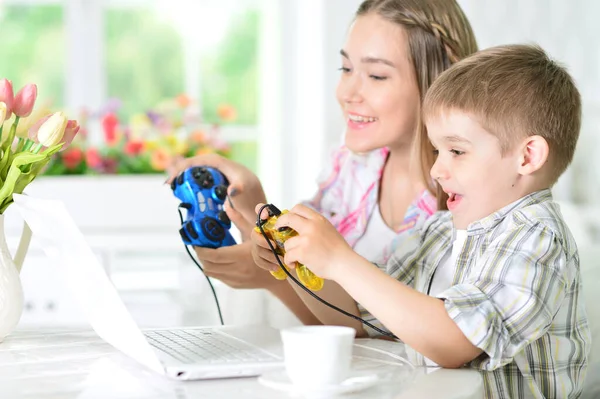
202	191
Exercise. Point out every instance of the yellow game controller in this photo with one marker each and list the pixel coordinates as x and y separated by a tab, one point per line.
279	236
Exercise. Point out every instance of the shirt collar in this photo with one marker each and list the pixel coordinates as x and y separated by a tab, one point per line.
492	220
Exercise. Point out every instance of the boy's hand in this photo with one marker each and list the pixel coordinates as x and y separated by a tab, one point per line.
261	252
318	245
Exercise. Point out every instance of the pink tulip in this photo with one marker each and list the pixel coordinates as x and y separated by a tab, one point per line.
24	100
70	133
6	95
33	132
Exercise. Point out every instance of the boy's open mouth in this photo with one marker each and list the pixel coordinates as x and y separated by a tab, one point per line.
453	200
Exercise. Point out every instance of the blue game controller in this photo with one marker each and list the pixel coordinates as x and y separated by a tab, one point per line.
202	191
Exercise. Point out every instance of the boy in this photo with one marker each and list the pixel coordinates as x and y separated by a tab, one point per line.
494	283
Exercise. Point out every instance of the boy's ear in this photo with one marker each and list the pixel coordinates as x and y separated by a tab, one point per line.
535	151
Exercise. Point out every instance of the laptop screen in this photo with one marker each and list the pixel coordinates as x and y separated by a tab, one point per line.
55	231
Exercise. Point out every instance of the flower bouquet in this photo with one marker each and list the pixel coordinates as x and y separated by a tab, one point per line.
28	140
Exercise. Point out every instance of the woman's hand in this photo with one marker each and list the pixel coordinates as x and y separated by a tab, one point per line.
233	265
245	190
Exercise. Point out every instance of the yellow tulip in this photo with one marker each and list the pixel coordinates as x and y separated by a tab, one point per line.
26	123
52	131
2	112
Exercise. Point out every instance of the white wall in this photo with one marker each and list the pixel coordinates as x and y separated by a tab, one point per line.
567	29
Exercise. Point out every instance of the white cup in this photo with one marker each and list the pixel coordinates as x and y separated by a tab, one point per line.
317	356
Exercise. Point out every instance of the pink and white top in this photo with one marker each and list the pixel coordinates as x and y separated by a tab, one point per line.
348	197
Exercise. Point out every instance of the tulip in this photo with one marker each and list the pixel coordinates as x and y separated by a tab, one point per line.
2	112
24	100
70	133
33	130
27	123
52	131
6	96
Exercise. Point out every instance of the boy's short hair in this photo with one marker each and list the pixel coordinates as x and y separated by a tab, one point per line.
514	91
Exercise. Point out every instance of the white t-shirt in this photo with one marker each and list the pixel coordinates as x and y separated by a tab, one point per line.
376	239
444	274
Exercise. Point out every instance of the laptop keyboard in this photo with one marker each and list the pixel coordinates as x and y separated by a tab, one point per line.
205	346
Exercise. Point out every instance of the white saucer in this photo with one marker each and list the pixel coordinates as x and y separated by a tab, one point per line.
279	380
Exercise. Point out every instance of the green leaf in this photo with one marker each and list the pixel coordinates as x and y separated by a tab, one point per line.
52	150
16	179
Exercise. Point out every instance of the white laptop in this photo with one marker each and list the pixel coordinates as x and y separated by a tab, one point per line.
186	353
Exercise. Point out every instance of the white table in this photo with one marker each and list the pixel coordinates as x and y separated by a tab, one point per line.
78	364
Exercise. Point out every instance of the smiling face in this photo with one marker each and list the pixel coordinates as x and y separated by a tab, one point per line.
471	168
377	91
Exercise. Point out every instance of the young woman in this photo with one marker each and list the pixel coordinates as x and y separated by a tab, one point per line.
370	190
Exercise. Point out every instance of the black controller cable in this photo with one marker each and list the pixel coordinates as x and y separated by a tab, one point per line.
201	269
272	209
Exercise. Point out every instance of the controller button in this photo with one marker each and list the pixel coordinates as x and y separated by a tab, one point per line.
183	234
221	192
212	229
207	181
191	231
179	179
222	216
203	177
198	171
173	185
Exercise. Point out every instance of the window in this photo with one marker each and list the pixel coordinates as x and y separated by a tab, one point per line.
144	59
32	49
208	51
145	52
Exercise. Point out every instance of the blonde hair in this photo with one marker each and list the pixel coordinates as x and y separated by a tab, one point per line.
514	91
439	35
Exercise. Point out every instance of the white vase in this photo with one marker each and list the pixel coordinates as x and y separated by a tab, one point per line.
11	291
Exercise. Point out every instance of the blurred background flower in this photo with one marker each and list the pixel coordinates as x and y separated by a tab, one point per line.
148	142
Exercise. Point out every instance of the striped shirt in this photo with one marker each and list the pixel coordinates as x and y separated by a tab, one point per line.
347	196
516	295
